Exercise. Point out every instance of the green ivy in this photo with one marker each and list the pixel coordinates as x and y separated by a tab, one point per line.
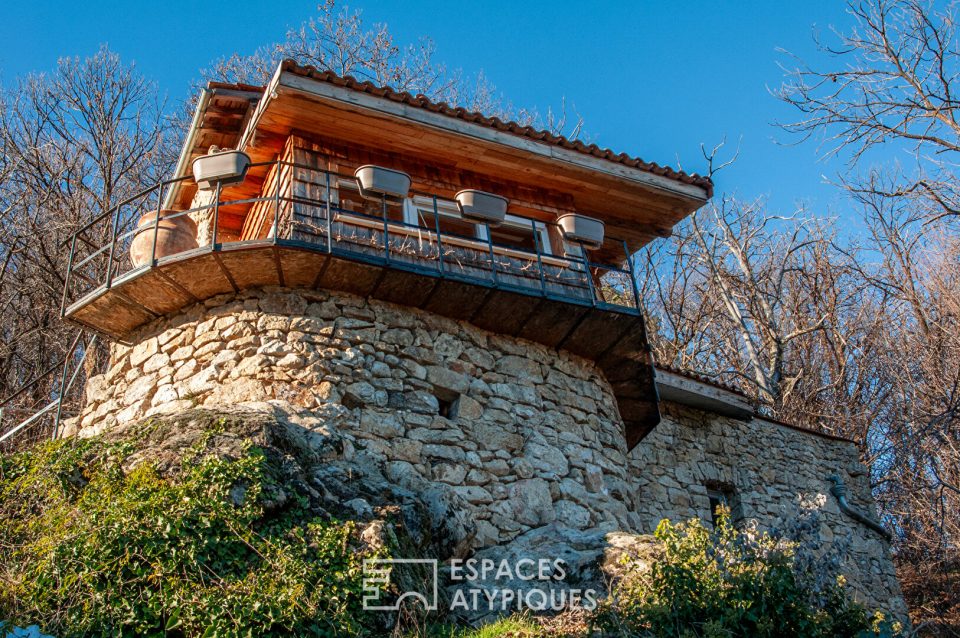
723	582
87	549
93	543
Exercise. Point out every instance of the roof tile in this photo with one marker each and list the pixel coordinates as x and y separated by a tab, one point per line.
422	101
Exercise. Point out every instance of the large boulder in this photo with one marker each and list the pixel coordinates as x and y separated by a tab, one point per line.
308	457
548	569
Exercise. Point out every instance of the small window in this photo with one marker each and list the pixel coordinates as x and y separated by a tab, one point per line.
447	407
723	494
518	232
448	403
418	211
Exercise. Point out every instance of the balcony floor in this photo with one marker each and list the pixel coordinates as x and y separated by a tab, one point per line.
613	336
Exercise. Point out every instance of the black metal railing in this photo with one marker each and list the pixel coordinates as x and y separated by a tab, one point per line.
27	417
320	211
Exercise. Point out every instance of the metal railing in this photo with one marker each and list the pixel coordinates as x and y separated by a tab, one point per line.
26	419
312	209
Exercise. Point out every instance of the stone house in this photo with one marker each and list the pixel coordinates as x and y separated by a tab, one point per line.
452	294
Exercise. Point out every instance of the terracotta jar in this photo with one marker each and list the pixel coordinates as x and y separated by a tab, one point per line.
174	236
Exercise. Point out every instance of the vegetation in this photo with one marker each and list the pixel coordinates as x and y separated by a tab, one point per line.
855	334
89	548
724	582
518	626
98	541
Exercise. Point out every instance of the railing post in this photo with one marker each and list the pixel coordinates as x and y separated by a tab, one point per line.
63	383
156	226
493	261
633	276
66	280
276	206
386	230
586	266
536	245
329	217
216	216
113	246
436	220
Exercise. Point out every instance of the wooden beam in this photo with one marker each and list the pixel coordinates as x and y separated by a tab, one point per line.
418	116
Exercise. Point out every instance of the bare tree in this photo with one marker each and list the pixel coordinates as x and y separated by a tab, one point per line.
739	277
891	84
75	142
338	39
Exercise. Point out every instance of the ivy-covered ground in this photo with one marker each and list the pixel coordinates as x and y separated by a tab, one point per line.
89	547
204	530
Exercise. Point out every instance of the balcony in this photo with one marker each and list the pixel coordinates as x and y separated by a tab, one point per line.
311	229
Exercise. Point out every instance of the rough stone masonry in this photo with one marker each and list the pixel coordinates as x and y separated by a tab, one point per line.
526	438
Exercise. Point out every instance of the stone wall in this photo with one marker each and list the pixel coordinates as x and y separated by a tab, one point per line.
526	435
527	439
776	477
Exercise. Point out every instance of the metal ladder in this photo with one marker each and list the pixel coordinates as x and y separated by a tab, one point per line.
67	380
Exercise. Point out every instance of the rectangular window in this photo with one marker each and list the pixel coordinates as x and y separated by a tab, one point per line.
418	211
447	408
518	232
723	495
515	232
347	197
573	250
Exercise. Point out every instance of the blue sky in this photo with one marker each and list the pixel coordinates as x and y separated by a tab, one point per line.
654	79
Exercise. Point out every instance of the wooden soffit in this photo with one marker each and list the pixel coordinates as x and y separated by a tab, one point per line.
637	205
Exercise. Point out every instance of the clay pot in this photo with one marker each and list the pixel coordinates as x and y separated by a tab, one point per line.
173	236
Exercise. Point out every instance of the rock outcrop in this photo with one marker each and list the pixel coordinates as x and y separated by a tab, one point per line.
507	446
525	436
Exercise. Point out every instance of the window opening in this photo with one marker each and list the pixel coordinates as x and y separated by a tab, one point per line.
723	494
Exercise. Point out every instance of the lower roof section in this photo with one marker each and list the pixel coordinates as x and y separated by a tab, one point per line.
700	393
695	393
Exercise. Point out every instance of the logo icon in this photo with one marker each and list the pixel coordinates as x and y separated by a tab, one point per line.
378	573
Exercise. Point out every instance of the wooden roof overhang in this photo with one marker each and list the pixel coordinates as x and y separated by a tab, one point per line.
637	205
223	112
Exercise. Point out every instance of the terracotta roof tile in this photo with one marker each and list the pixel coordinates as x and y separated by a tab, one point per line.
235	86
702	378
422	101
757	414
805	429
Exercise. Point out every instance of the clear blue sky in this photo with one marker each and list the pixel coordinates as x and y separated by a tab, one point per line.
653	79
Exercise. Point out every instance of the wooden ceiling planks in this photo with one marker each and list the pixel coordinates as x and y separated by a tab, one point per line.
222	121
354	124
635	214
